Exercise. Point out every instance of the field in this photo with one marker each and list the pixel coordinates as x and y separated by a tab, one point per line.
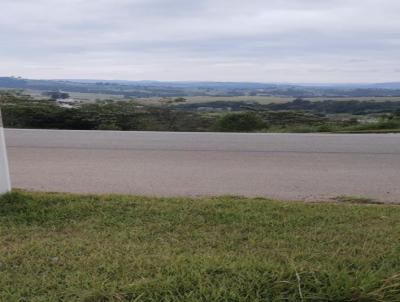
206	99
57	247
91	97
81	96
262	99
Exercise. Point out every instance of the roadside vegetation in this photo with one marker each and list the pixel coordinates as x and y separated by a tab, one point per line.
58	247
21	111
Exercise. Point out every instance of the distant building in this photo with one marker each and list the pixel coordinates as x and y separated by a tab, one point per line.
67	103
210	109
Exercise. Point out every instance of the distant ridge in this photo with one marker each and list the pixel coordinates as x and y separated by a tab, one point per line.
148	88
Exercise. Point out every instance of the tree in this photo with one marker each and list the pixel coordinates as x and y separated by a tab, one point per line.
242	122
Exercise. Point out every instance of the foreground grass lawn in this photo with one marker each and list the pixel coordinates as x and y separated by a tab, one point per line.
56	247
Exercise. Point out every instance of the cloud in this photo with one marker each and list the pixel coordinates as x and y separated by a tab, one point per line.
256	40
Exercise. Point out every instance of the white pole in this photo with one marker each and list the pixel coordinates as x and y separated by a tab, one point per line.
5	183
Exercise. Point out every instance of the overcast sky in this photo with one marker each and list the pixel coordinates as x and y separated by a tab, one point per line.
217	40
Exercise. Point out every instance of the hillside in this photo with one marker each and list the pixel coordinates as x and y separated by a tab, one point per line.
142	89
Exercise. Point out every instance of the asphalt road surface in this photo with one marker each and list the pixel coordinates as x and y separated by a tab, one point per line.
284	166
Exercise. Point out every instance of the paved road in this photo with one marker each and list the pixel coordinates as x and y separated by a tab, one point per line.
285	166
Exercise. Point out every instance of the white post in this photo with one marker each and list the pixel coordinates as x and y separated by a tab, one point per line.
5	184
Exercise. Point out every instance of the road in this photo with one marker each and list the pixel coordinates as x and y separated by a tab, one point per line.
283	166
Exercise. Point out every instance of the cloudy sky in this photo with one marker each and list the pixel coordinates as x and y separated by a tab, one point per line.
218	40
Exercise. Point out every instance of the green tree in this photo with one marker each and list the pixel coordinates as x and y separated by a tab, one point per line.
242	122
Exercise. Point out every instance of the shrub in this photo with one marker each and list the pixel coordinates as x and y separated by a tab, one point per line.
246	121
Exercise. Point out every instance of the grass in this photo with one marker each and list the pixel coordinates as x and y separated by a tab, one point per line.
357	200
382	131
372	127
58	247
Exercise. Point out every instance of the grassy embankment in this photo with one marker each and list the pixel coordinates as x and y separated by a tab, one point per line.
57	247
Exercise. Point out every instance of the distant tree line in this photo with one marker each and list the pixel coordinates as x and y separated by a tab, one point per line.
354	107
55	95
179	89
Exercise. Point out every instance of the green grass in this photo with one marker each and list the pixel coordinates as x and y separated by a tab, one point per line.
357	200
382	131
372	127
57	247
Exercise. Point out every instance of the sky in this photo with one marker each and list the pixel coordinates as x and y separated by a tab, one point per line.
275	41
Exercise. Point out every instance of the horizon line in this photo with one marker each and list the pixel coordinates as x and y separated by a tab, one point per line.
200	81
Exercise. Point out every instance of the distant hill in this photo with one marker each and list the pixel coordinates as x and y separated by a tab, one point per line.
394	85
137	89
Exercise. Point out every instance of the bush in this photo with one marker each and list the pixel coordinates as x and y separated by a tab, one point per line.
242	122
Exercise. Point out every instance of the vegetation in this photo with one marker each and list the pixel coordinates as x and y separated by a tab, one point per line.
102	115
57	247
179	89
354	107
55	95
357	200
246	121
334	107
21	111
